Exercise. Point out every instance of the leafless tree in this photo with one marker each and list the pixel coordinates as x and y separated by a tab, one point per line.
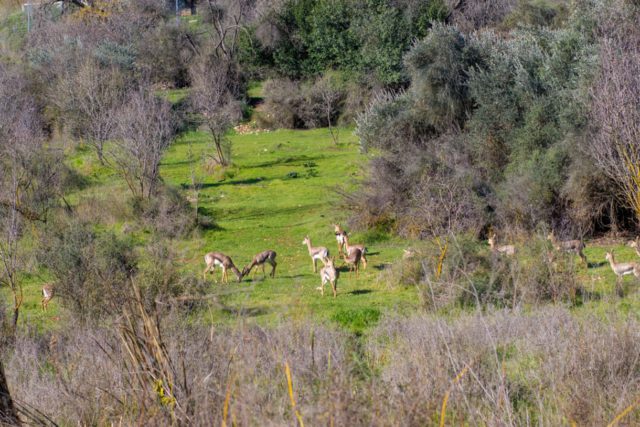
615	114
331	97
213	99
227	17
27	181
146	126
89	98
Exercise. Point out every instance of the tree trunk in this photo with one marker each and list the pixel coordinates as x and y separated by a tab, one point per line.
8	413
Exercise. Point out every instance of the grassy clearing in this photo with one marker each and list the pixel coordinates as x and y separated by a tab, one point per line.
281	188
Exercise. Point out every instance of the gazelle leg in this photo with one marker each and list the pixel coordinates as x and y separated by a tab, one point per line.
315	268
204	274
334	286
364	261
264	276
273	269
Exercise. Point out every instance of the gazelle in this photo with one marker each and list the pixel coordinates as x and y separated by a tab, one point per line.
328	273
217	258
319	253
48	292
508	250
353	260
340	237
266	257
623	268
349	248
635	244
574	246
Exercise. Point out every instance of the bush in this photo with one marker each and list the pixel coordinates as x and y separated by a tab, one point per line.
472	275
294	105
91	269
168	213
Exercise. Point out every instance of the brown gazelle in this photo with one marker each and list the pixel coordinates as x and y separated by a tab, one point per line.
349	248
501	249
340	237
635	244
48	292
573	246
328	273
622	269
217	258
266	257
353	260
319	253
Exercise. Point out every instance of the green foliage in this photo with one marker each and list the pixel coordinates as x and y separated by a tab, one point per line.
366	38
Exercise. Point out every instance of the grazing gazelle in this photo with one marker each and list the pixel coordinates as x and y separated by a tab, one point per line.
328	273
502	249
319	253
361	248
48	292
574	246
266	257
217	258
353	260
340	237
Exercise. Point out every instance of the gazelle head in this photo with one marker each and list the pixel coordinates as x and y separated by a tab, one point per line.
245	270
337	228
328	262
306	240
633	243
492	239
609	256
551	236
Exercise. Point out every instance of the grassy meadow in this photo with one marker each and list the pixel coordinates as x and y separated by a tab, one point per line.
283	186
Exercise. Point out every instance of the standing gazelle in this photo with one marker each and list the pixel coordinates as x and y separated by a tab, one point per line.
353	260
48	292
266	257
328	273
340	237
508	250
319	253
635	244
573	246
350	248
217	258
622	269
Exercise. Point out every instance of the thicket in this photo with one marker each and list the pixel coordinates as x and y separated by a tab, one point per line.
495	129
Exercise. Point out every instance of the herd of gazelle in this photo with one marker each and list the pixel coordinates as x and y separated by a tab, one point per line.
577	247
354	254
351	254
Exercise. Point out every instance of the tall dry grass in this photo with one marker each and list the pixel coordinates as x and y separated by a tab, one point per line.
547	367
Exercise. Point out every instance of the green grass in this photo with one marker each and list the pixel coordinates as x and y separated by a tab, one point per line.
282	187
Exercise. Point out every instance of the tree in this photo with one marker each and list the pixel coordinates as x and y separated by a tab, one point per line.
8	413
88	98
615	116
29	182
146	127
213	99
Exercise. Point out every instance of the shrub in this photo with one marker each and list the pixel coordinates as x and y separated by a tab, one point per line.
91	269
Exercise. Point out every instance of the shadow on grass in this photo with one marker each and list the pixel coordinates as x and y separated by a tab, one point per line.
597	264
285	161
382	266
204	186
360	292
245	311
